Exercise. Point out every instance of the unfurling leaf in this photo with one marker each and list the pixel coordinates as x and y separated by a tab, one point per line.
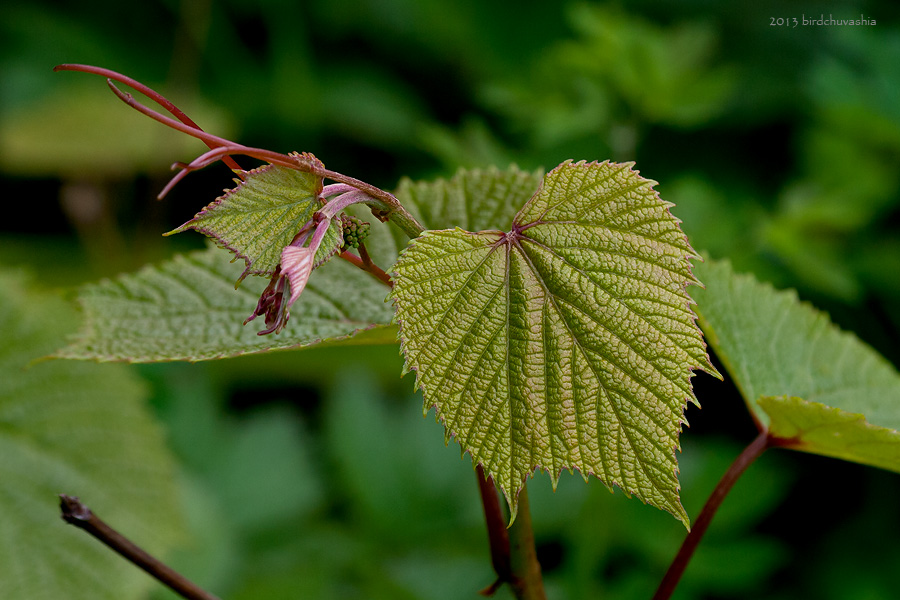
567	342
263	214
818	388
297	265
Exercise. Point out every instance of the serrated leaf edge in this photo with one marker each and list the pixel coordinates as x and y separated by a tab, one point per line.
222	243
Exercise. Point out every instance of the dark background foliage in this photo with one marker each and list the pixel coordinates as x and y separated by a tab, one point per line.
779	146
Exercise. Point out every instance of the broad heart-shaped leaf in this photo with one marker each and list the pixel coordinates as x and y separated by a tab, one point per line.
79	429
187	309
262	214
567	342
808	382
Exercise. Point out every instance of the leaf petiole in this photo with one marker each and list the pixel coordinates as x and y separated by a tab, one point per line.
746	458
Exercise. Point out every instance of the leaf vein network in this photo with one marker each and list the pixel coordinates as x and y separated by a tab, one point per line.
612	405
612	297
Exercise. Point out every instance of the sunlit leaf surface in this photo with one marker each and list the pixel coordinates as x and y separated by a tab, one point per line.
566	342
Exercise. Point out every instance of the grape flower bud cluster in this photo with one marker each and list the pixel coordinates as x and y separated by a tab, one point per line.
355	231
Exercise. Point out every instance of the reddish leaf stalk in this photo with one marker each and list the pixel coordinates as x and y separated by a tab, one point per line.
367	265
76	513
737	468
498	536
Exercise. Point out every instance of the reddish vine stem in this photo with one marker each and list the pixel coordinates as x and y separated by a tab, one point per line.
76	513
513	553
759	445
221	148
150	93
367	265
498	537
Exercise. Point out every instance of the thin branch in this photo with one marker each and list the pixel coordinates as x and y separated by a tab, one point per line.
76	513
737	468
147	91
498	537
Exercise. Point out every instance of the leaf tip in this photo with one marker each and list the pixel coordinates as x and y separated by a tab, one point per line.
180	229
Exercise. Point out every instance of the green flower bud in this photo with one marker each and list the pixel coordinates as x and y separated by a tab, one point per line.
355	231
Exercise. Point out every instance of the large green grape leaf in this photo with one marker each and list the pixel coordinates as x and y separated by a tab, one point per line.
187	309
80	429
262	214
818	388
566	343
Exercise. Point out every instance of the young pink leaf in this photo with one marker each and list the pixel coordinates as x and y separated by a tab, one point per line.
297	265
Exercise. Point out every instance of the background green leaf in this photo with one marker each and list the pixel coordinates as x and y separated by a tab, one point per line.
822	429
801	376
566	343
80	429
262	214
187	309
473	199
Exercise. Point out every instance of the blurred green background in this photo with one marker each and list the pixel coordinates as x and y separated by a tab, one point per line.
313	474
